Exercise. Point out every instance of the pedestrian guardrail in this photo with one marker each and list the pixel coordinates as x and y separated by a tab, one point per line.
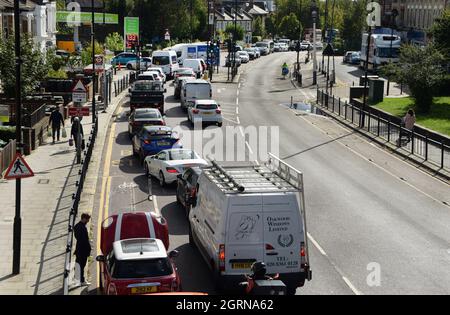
76	197
414	143
124	83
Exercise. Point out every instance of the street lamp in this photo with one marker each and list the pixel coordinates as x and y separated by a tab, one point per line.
94	79
394	14
314	17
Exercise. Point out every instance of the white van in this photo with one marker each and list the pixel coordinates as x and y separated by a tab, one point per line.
190	51
247	213
194	64
195	90
167	60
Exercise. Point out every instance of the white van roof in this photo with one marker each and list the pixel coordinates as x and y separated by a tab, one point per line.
273	177
199	81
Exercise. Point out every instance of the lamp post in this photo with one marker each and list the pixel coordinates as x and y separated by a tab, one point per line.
326	34
17	233
394	14
314	17
94	77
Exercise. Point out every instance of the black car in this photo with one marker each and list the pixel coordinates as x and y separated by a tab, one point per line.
143	117
187	187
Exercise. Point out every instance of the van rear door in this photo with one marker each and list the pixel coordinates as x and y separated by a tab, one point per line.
283	230
244	242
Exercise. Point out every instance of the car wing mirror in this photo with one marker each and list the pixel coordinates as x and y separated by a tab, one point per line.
173	254
100	258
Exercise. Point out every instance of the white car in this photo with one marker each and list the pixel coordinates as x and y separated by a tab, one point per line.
145	63
245	57
284	47
151	76
160	71
168	164
205	111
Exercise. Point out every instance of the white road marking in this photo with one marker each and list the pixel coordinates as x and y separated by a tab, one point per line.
316	244
231	120
238	121
242	131
237	110
155	205
351	286
237	101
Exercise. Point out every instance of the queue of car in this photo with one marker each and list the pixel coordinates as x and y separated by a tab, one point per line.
134	246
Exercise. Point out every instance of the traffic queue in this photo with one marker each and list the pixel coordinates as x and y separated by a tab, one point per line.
246	221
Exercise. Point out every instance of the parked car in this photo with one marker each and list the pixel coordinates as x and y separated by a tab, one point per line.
153	139
251	53
257	51
284	47
123	59
229	64
277	47
205	111
145	63
187	187
144	117
244	56
355	58
179	85
264	47
305	45
168	164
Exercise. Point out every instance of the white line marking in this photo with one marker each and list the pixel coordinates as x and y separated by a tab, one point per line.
242	131
237	110
316	244
351	286
237	101
155	205
237	92
230	120
238	121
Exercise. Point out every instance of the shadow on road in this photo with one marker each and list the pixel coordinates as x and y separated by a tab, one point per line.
176	218
123	138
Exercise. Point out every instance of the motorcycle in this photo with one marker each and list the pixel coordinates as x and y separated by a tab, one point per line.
267	286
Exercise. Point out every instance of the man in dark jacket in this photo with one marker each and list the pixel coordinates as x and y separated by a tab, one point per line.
76	131
56	119
83	248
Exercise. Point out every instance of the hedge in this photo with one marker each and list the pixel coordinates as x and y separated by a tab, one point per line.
7	133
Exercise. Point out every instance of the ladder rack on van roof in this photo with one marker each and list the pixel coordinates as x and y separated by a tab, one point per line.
274	176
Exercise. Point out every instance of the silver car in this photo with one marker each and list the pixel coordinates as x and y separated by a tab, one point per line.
205	111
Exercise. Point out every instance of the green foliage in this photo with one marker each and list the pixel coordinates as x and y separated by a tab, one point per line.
59	74
290	27
230	29
422	70
258	27
114	42
7	133
441	33
353	25
33	69
271	26
86	54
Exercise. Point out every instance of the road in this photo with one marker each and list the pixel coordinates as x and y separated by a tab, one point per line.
370	215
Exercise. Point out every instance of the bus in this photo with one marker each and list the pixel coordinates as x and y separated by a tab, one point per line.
384	48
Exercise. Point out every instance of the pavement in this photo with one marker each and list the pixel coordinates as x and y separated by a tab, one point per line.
46	202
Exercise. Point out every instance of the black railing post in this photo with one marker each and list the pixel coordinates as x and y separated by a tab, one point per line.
412	142
345	109
378	126
353	113
368	121
426	147
333	102
339	107
389	130
442	154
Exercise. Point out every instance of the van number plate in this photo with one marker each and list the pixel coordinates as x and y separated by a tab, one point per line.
241	265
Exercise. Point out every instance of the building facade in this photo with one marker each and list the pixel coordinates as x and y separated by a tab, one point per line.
37	20
226	16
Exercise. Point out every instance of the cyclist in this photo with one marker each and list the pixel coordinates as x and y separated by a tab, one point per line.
284	70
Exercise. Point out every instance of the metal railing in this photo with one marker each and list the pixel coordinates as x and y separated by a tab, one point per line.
124	83
76	197
7	155
417	144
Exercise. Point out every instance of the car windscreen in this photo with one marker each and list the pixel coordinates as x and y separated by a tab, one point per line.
263	45
182	155
161	60
142	86
206	106
147	115
132	269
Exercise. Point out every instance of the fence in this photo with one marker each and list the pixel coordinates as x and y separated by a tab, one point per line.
122	84
7	155
76	201
422	145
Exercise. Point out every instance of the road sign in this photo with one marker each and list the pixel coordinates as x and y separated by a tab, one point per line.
79	111
167	35
18	169
99	62
79	92
131	31
79	87
328	51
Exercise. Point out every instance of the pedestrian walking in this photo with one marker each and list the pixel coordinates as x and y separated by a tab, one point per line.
409	121
77	131
56	120
83	248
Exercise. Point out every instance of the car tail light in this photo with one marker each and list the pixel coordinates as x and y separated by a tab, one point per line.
171	170
147	141
302	253
269	247
222	257
195	111
218	111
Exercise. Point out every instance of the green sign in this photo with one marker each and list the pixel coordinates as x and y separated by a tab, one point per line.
131	26
85	17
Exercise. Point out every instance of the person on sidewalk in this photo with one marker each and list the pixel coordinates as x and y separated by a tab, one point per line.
409	120
83	248
77	131
56	119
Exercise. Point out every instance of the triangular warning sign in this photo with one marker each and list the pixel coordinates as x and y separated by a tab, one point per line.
79	87
18	169
328	51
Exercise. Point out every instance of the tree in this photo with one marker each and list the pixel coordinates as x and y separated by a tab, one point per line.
239	31
258	28
271	25
33	70
290	27
86	54
114	42
421	68
440	31
353	25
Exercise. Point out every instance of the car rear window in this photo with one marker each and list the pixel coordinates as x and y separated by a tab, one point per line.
147	115
132	269
143	86
206	106
181	155
161	60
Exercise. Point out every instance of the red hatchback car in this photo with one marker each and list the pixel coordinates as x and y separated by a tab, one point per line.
135	258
